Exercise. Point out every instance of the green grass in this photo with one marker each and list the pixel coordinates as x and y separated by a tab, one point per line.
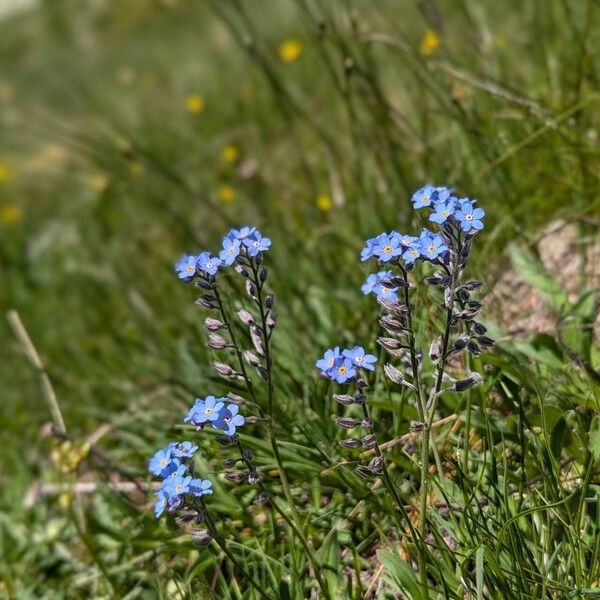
506	110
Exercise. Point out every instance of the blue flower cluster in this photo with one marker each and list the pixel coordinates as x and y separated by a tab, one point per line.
170	465
246	241
213	410
341	366
449	212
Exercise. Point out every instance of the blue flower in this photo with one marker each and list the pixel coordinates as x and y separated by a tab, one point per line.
207	263
200	487
229	419
442	194
367	251
360	359
256	243
186	267
409	241
412	254
161	503
182	449
342	371
240	234
176	486
469	217
231	250
374	284
423	197
432	245
328	359
388	246
160	463
443	210
175	470
205	411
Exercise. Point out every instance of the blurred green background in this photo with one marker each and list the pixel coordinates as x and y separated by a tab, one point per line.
134	131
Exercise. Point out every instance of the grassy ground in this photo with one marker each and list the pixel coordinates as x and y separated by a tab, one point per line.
135	131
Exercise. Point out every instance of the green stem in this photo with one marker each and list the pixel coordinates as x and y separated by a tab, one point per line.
221	543
309	551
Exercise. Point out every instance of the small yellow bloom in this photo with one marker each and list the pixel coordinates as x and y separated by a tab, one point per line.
98	181
230	154
290	50
65	500
10	213
324	202
5	173
226	193
67	456
194	104
430	43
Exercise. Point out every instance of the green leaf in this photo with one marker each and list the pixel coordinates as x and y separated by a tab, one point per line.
400	575
594	438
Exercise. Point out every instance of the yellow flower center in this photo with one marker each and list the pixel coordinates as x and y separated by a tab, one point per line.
342	370
387	249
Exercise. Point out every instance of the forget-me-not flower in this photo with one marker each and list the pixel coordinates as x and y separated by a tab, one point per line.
182	449
469	217
423	197
388	246
208	264
200	487
161	503
432	245
328	359
443	210
256	243
229	419
231	250
360	359
205	411
161	461
186	267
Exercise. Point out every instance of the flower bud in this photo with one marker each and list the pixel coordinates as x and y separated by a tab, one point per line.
365	472
261	498
478	328
473	348
389	343
229	463
251	358
224	370
242	270
435	349
257	340
271	320
211	324
250	289
269	301
362	384
262	275
201	537
216	341
416	426
245	317
394	374
376	465
235	398
394	307
344	399
235	476
350	443
369	441
202	301
346	422
485	341
253	478
461	342
367	424
391	325
224	440
247	454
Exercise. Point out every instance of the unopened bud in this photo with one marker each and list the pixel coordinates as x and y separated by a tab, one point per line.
201	537
376	465
216	341
346	422
350	443
245	317
393	373
211	324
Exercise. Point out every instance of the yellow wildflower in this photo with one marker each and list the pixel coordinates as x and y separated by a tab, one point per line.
290	50
5	173
98	181
324	202
194	104
66	456
230	154
226	193
10	213
430	43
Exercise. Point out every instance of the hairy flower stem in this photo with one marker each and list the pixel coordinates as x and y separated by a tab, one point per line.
309	551
270	388
422	409
387	480
222	544
237	348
